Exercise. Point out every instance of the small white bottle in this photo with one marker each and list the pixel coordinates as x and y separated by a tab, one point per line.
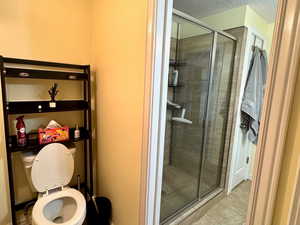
76	132
175	78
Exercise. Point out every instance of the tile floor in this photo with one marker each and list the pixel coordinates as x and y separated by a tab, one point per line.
231	210
23	218
179	189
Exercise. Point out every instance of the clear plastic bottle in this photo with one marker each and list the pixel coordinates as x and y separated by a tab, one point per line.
76	132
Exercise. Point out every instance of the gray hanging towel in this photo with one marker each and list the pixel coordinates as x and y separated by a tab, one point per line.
253	94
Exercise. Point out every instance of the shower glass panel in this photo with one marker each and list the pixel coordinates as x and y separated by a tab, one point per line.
189	78
217	116
197	126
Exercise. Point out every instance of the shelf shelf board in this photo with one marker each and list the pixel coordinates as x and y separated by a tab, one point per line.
176	64
169	107
33	144
25	107
175	86
44	74
43	63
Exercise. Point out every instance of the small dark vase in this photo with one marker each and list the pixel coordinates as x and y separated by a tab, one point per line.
53	92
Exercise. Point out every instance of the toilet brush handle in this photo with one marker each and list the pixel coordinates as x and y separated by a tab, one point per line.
95	204
78	182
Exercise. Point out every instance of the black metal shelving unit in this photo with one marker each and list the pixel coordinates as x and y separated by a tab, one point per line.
12	68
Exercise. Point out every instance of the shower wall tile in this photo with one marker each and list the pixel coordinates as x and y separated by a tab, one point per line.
188	139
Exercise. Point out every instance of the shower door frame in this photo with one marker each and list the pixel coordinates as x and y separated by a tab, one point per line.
282	74
202	198
216	34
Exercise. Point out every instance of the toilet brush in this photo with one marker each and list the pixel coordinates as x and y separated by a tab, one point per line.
99	211
95	204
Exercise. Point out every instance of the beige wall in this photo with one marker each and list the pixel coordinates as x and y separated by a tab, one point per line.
53	31
56	30
291	161
120	29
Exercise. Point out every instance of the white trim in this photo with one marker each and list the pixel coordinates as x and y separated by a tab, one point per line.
158	111
248	146
252	32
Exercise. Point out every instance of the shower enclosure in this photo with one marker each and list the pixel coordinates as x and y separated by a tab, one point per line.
200	77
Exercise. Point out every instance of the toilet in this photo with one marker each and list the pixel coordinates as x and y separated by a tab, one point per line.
49	172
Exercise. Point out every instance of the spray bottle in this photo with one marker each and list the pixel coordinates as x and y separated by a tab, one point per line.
21	131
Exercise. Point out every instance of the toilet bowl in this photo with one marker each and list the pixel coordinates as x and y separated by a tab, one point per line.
62	207
51	171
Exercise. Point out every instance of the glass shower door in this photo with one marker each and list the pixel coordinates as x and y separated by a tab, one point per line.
189	78
215	138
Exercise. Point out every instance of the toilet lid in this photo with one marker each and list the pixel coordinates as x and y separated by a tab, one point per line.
53	167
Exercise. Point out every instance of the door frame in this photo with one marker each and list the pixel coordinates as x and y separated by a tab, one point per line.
283	71
157	63
253	32
282	74
238	133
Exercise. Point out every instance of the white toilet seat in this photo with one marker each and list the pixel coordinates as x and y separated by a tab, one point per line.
38	217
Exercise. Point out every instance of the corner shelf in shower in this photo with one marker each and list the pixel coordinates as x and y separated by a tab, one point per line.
25	107
175	86
34	146
176	64
173	108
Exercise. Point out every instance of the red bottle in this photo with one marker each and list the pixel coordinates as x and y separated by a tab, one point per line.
21	131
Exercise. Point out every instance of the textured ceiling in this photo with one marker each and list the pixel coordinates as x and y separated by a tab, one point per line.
203	8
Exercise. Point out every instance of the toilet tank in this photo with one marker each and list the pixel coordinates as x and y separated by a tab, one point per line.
28	158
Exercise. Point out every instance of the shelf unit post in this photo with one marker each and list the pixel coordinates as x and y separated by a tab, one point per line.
89	128
86	191
6	133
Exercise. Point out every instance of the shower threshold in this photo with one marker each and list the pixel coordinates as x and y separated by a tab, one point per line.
196	208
